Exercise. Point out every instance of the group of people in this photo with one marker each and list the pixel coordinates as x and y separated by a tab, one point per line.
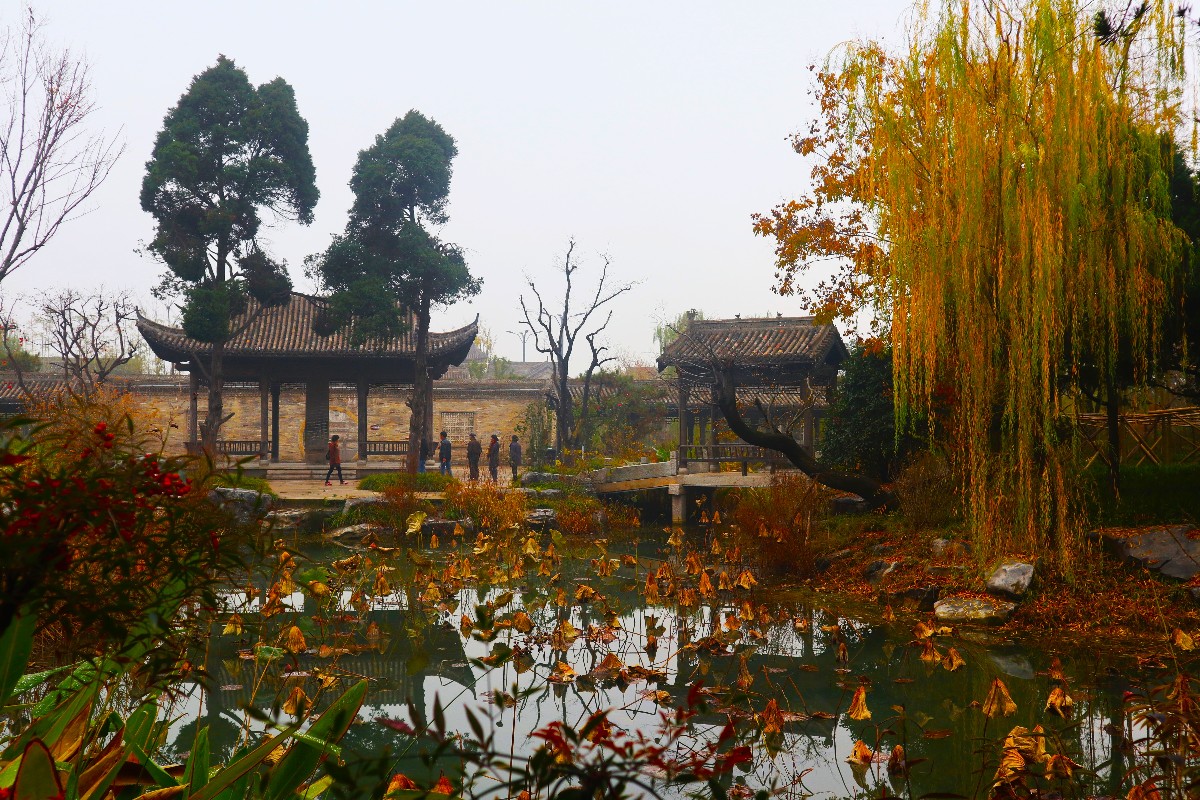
475	452
444	451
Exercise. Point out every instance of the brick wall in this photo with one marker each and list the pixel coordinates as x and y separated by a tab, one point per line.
496	407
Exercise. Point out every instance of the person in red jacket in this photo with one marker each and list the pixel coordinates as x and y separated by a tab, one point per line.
334	456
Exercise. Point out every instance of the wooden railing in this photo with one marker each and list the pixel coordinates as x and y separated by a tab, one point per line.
716	453
241	447
384	447
1169	436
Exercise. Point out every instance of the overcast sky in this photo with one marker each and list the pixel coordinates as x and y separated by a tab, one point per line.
647	131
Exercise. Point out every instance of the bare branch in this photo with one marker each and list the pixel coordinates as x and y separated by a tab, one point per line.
49	165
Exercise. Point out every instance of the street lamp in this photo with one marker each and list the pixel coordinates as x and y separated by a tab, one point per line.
523	335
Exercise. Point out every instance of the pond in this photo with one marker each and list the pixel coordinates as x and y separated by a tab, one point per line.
631	624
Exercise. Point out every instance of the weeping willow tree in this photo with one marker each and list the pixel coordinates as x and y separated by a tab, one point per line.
997	193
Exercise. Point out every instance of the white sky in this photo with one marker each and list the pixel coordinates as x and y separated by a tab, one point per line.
647	131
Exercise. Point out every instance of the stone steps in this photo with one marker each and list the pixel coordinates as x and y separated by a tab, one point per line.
308	472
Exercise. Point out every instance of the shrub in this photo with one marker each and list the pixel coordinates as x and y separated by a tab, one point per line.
492	508
240	480
780	524
577	514
416	482
928	493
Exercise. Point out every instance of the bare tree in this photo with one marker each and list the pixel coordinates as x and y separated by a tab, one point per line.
90	335
556	332
49	164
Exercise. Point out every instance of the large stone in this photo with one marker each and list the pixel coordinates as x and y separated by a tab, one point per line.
549	494
1172	552
246	505
921	598
362	502
1011	579
447	527
984	610
878	570
356	531
541	518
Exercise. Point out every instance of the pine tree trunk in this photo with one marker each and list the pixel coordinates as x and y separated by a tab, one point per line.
216	404
422	387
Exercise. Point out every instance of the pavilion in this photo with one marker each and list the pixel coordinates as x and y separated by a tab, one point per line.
288	343
788	363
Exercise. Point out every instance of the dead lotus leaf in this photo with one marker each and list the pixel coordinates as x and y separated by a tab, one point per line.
999	702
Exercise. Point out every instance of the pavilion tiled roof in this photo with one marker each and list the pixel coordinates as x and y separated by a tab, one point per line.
291	330
755	343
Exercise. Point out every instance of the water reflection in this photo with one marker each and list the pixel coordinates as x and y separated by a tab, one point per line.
752	649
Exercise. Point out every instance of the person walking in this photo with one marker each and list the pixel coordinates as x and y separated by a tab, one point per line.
334	456
444	454
474	451
514	456
494	457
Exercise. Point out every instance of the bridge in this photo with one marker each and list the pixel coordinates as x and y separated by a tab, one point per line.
700	473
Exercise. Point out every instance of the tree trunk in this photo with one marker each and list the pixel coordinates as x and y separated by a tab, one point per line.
869	490
417	424
1112	407
216	403
564	415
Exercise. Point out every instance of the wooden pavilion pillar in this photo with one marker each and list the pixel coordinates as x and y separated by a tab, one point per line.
275	421
429	433
685	427
193	421
316	420
363	388
264	439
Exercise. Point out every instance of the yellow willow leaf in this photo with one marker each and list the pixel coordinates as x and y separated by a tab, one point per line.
746	580
296	703
233	626
1059	702
1182	640
522	623
294	640
706	587
952	660
433	542
858	706
860	754
999	702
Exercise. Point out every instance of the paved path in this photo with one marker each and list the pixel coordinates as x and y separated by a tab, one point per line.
317	490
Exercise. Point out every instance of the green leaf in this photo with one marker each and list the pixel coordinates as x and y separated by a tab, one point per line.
160	775
315	788
196	774
35	679
237	770
415	521
15	646
37	779
302	759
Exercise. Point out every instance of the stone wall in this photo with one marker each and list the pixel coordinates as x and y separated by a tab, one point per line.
484	407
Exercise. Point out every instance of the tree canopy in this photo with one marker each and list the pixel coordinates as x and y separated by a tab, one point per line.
998	194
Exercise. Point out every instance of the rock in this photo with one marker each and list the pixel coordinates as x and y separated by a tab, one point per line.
549	494
882	549
922	598
1013	664
358	530
532	478
1171	552
986	610
541	518
944	570
939	546
246	505
362	502
288	518
823	563
878	570
847	504
1011	579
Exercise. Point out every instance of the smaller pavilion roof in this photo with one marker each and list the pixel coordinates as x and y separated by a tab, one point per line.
291	331
779	347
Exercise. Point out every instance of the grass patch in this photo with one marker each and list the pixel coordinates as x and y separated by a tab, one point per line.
419	482
1150	495
239	480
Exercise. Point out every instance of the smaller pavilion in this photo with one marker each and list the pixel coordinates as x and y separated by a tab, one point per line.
279	344
789	362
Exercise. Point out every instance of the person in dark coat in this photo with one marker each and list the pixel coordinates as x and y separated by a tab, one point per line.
514	456
474	451
494	457
334	456
444	454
